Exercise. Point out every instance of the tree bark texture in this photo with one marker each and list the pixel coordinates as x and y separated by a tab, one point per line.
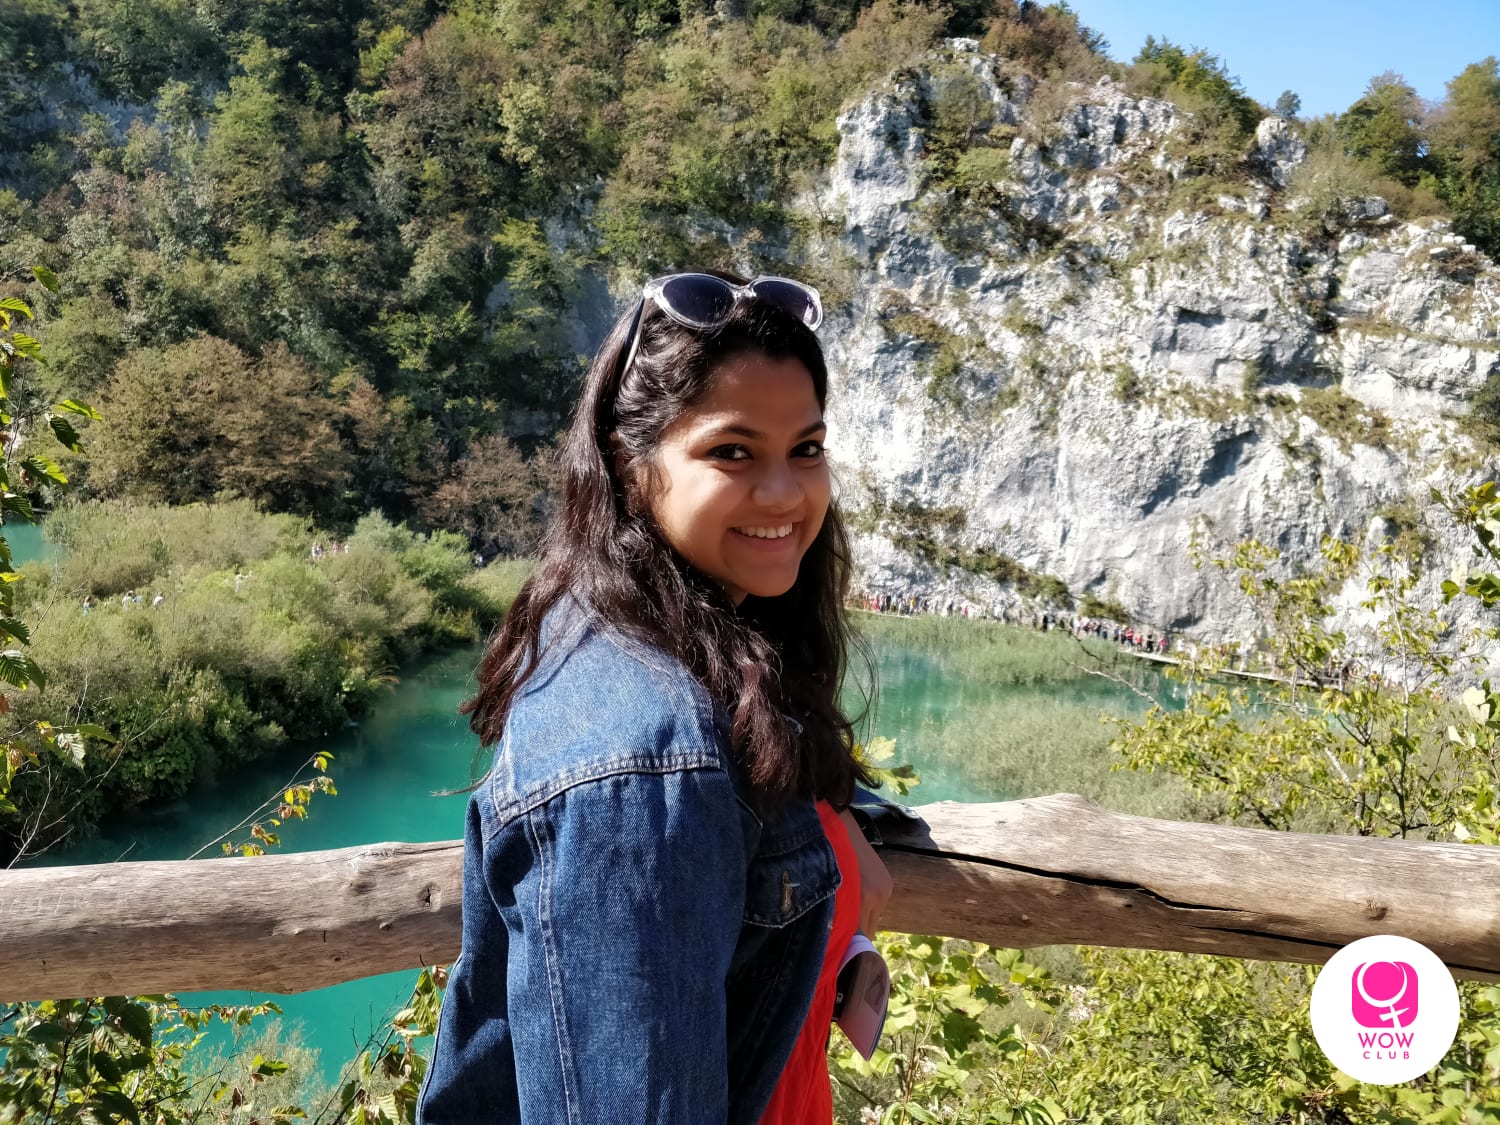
1042	871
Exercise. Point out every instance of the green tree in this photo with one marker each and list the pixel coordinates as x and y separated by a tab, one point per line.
32	42
135	46
247	159
437	133
202	418
1465	138
1198	81
1288	104
1385	128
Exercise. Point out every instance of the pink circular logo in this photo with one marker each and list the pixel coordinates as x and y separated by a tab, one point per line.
1384	1009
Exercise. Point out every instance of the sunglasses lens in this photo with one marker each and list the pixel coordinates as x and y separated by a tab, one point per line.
697	299
792	297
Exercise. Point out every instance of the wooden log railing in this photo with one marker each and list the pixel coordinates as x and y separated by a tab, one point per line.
1042	871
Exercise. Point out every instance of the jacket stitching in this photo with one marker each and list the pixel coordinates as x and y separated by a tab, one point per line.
680	761
554	984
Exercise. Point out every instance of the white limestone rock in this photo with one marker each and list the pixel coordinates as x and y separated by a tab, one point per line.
1278	150
1134	378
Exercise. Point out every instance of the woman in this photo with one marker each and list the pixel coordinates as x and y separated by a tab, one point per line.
652	867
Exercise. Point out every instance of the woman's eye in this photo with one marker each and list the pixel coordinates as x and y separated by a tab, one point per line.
729	453
810	449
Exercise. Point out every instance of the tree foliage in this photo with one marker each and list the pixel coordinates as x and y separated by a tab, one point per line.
203	419
1384	129
36	745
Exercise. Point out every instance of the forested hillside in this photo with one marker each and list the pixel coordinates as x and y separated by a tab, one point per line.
319	255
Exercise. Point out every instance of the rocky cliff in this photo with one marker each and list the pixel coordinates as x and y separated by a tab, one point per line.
1062	352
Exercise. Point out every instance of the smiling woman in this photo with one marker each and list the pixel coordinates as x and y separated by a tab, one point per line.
746	486
659	881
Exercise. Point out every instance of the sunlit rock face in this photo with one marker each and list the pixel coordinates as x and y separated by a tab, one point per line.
1103	361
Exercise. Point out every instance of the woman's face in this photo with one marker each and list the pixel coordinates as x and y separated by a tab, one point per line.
743	482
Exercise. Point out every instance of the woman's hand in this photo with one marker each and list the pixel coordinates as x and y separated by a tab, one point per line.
875	883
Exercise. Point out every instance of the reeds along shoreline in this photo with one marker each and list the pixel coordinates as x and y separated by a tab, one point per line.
1047	725
995	651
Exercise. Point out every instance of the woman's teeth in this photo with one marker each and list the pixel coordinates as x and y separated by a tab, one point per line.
766	532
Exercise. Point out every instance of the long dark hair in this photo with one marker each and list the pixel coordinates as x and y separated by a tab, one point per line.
775	664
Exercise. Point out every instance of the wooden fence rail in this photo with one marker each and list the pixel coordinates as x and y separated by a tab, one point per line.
1042	871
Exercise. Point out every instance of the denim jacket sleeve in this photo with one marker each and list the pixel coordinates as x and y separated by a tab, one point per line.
592	983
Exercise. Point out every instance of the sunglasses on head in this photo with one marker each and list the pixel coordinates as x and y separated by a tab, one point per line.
703	301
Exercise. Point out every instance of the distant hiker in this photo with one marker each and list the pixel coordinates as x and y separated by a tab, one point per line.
127	599
156	601
88	604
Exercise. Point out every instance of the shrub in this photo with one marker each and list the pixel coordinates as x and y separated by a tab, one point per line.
1127	385
256	642
1046	41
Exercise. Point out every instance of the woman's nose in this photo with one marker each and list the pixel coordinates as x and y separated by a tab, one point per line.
777	488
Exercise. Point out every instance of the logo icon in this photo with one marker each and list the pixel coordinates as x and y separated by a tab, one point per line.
1384	1009
1378	986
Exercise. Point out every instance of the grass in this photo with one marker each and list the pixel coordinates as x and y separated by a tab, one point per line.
993	652
500	582
1027	717
1030	746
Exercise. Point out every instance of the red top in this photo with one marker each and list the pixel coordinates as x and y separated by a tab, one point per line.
803	1095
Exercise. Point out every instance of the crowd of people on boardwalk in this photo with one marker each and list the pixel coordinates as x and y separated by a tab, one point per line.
1135	637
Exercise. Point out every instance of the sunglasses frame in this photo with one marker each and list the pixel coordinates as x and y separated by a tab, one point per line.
654	290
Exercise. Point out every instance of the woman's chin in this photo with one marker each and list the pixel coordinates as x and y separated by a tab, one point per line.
765	586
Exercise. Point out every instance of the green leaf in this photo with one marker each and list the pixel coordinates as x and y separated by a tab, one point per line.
46	277
107	1066
39	466
20	670
73	406
111	1105
267	1067
29	346
16	628
63	430
49	1033
15	304
17	506
135	1020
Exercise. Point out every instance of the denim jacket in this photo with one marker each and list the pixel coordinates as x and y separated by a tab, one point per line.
638	944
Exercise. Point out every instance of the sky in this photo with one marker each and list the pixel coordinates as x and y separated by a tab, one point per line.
1325	50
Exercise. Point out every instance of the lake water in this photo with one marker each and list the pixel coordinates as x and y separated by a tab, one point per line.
28	544
413	744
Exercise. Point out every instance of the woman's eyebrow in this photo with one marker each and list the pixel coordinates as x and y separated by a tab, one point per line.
756	435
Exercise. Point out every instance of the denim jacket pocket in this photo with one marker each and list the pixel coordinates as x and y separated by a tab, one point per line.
792	872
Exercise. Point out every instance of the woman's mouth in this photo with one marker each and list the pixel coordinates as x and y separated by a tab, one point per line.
771	532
